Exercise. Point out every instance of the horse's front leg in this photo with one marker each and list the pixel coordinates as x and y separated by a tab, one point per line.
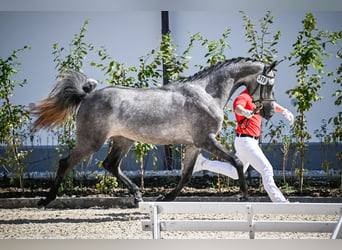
213	146
189	162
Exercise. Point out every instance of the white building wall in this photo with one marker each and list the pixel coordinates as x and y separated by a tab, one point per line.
130	34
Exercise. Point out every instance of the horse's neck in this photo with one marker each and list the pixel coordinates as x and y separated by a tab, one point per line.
221	83
238	75
220	91
222	87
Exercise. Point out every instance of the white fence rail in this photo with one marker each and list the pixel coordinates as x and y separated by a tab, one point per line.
249	224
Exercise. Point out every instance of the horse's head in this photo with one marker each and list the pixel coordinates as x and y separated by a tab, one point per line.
261	89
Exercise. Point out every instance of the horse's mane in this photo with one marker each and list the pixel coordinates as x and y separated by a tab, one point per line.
209	69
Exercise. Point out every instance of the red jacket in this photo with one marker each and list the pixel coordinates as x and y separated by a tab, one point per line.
254	127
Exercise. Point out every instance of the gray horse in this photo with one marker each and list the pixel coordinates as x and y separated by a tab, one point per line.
188	111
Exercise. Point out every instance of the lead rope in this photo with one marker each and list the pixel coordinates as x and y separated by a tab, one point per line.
241	122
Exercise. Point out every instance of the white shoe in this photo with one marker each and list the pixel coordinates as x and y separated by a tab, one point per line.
199	163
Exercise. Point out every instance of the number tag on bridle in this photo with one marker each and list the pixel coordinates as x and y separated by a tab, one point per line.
261	79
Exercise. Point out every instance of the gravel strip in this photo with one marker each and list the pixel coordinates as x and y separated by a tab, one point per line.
116	223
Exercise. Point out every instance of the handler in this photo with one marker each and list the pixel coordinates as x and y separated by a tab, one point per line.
247	148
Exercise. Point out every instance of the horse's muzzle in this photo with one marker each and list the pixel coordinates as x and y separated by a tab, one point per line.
267	111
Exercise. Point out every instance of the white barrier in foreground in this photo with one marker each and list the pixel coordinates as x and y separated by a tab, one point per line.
249	224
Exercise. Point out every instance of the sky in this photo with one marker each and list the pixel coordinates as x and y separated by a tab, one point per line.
131	31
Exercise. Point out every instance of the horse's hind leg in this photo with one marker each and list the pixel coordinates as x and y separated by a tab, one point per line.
189	162
112	163
65	165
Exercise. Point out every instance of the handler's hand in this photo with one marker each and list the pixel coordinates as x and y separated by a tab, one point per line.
247	113
288	115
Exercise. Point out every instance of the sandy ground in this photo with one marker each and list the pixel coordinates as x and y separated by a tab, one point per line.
104	223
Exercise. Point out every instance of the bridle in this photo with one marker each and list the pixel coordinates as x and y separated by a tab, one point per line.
262	81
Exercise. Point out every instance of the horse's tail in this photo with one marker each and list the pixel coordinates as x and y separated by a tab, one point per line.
70	89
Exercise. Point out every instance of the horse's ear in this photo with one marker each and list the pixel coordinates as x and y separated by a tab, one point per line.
272	66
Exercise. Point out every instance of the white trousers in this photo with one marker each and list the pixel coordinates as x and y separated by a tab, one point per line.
249	152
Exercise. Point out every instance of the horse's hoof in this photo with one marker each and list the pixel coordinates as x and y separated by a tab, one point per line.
165	198
137	200
243	198
42	203
161	198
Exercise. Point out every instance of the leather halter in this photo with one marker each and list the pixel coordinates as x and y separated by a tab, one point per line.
262	81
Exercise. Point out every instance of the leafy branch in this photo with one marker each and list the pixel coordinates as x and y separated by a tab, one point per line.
78	50
215	49
263	42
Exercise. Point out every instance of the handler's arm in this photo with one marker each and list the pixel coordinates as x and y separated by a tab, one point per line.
239	109
279	108
288	115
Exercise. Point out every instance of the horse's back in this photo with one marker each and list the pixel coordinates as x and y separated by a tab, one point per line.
146	115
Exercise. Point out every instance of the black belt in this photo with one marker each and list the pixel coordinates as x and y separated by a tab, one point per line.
245	135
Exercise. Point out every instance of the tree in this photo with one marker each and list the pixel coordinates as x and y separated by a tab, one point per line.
13	119
336	135
72	59
337	120
141	150
308	56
